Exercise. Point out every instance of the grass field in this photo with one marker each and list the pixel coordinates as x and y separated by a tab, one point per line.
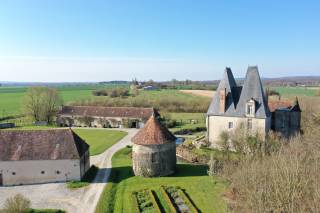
206	192
11	98
296	91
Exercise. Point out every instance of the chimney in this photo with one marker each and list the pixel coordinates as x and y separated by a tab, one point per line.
222	100
267	95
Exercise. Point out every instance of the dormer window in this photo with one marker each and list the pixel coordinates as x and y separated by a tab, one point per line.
250	108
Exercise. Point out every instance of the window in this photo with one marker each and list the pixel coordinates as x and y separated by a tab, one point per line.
57	172
13	173
42	172
249	109
230	125
153	158
249	125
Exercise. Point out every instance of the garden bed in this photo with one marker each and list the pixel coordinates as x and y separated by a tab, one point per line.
144	201
178	199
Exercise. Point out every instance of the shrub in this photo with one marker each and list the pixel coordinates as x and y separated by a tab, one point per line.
165	104
284	179
17	204
114	92
215	166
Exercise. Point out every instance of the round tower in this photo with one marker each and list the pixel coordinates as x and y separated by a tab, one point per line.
154	150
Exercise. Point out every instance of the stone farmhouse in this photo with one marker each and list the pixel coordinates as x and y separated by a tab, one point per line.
154	150
104	117
234	105
42	156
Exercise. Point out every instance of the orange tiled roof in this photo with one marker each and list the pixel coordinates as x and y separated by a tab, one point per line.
153	133
276	104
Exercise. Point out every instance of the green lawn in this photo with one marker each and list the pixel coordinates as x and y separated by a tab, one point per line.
100	139
206	192
187	120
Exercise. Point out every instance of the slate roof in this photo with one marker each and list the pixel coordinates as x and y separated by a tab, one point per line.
153	133
55	144
237	96
97	111
230	85
252	88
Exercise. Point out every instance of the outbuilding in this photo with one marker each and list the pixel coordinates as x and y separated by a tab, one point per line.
42	156
154	150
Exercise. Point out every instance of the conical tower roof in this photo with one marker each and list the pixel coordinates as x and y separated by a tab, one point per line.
153	133
252	89
229	84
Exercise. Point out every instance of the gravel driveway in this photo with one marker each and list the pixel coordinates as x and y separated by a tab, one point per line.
58	196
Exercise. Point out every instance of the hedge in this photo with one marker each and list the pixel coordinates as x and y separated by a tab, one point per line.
190	204
135	202
154	202
167	199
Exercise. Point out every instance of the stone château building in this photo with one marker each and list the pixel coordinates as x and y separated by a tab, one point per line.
234	105
154	150
106	117
42	156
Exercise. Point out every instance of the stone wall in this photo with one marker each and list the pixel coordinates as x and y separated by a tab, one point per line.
100	122
217	124
154	160
187	154
45	171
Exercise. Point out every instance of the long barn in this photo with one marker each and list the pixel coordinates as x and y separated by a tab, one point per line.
104	117
42	156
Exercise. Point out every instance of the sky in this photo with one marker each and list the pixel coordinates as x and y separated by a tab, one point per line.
102	40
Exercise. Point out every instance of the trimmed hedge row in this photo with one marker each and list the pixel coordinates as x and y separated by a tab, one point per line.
186	199
154	202
167	199
135	204
139	198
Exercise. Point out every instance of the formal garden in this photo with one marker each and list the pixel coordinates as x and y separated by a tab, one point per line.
189	188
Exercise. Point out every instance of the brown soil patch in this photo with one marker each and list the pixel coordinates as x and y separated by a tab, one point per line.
206	93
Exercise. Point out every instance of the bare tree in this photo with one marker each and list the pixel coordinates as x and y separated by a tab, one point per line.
51	103
41	103
33	101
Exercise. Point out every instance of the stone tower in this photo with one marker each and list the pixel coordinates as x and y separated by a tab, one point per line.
154	150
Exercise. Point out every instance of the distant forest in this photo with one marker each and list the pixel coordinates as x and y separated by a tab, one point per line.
308	81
